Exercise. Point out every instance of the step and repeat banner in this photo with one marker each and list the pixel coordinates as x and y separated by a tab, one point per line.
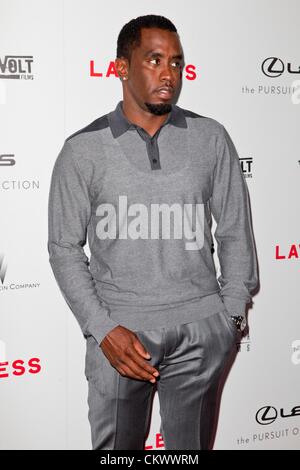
57	75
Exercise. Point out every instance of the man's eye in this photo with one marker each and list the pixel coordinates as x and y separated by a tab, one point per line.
177	64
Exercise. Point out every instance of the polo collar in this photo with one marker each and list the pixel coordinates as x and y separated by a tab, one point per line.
120	124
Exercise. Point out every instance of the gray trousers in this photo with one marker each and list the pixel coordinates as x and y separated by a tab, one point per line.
191	359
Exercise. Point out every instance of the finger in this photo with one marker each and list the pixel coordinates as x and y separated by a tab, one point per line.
127	371
141	371
140	348
140	366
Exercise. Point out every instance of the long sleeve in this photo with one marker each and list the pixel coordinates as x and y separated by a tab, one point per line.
69	211
235	242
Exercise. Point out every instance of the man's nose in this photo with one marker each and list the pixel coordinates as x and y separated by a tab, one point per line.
167	73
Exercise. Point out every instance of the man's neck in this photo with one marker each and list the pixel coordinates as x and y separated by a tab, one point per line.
148	121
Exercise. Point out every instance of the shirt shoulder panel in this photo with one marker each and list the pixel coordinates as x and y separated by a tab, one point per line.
201	121
96	125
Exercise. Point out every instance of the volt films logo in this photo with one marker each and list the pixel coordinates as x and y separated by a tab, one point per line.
154	224
17	67
246	166
268	414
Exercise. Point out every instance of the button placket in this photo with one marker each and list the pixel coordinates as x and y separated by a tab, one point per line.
152	147
153	153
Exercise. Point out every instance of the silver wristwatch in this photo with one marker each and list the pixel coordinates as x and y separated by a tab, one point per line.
239	321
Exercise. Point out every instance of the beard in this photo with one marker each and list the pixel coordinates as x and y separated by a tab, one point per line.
159	109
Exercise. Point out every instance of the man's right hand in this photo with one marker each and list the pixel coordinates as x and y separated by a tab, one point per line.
126	353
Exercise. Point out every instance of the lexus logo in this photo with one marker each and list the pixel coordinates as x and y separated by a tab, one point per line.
272	67
266	415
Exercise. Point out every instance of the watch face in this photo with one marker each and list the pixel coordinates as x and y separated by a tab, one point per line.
243	324
240	322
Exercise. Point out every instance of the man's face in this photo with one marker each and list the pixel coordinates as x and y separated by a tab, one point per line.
155	71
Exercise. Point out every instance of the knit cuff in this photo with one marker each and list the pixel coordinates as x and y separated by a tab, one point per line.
234	306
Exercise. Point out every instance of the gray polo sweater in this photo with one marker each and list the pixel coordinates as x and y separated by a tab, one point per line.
145	206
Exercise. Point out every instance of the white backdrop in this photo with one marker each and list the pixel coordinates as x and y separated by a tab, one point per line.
47	93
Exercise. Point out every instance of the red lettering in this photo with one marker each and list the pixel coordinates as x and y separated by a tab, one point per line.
159	441
293	252
20	367
111	69
278	256
3	369
148	447
92	70
190	69
35	368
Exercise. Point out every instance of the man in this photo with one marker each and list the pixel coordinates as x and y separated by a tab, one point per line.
142	182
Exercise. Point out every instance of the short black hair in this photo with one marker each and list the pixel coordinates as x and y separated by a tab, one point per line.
130	35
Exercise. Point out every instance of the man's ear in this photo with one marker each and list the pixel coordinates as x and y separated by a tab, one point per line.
121	65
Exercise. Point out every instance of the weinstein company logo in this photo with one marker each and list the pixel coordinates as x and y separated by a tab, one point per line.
13	285
3	268
268	414
145	224
18	67
7	159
